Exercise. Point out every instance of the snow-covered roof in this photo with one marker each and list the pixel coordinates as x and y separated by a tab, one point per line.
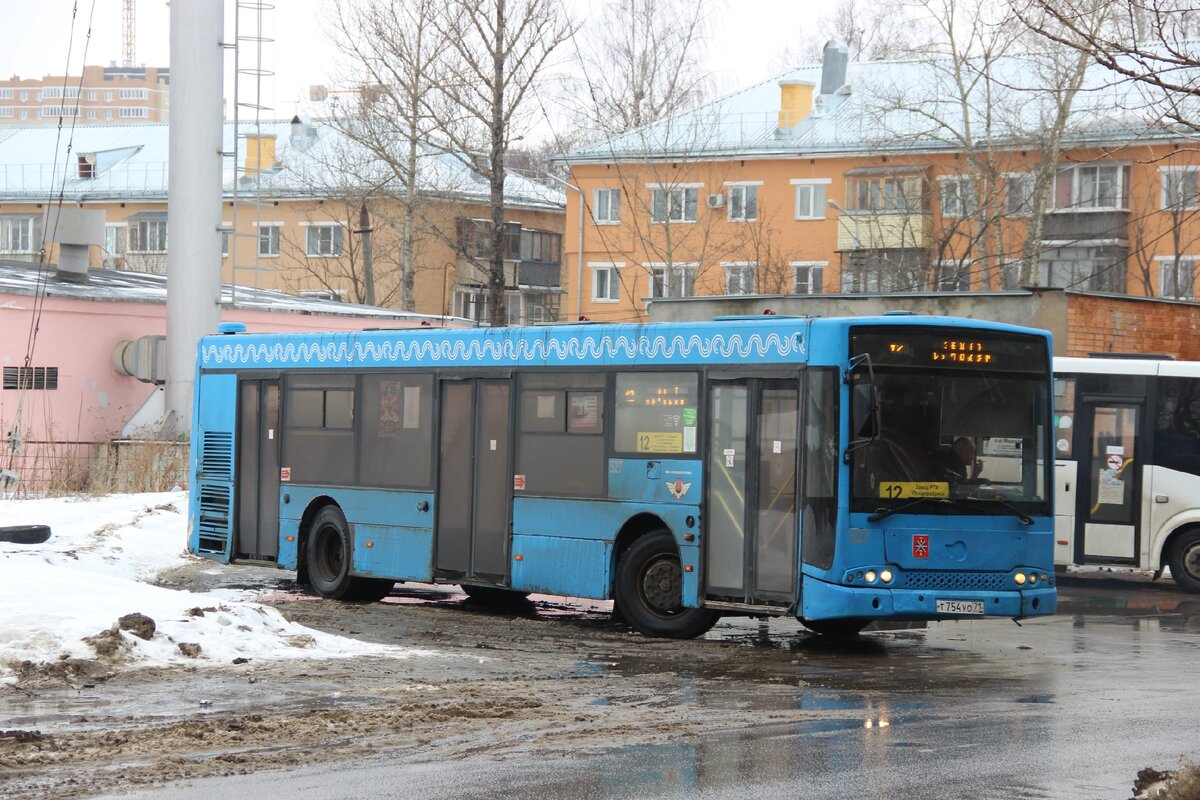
313	159
144	287
906	106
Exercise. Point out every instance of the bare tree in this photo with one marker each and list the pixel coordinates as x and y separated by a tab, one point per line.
398	46
498	51
873	30
1146	42
646	62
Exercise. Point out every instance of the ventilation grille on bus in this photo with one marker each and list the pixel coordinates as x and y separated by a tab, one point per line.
985	581
214	526
216	456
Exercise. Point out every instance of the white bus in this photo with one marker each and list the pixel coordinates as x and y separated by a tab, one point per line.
1127	464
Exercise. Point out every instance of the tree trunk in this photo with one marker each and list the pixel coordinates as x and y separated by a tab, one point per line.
496	272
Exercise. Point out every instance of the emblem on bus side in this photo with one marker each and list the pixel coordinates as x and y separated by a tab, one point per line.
920	546
678	488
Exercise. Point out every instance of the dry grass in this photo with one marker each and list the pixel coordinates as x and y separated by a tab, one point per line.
138	466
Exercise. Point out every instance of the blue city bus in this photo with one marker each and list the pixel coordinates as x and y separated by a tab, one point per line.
837	470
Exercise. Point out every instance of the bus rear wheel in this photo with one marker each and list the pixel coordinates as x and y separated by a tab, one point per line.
649	590
327	556
1185	560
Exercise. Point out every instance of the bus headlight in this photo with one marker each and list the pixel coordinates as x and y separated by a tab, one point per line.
886	576
1032	578
1019	578
870	576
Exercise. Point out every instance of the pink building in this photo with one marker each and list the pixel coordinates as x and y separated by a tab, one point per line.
75	392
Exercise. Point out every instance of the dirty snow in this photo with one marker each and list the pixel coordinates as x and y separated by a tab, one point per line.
95	569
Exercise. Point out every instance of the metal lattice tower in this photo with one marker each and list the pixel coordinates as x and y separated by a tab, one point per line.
129	31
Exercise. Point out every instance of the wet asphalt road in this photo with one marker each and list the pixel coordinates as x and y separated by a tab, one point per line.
1067	707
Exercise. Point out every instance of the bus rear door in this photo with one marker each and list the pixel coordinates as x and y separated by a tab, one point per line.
258	469
1108	505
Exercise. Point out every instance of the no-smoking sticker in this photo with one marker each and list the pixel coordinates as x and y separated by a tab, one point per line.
1115	462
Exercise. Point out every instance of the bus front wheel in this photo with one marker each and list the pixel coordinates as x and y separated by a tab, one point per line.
327	555
649	590
1185	560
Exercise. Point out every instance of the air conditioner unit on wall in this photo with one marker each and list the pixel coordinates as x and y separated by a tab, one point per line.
716	201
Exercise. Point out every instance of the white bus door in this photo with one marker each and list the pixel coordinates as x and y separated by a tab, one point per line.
1109	504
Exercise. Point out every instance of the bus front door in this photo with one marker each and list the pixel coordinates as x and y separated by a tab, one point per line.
474	481
751	530
1109	482
258	470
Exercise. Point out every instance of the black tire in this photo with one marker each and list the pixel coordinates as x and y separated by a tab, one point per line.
493	595
836	628
1185	560
327	554
649	590
25	534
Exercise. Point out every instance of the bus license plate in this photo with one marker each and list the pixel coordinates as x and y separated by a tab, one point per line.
960	607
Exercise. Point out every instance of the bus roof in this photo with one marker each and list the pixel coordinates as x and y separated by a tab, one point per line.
1127	366
766	340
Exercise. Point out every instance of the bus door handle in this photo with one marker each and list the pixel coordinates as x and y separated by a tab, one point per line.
1161	498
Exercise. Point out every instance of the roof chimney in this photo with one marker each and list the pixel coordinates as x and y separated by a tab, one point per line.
835	58
260	153
74	230
795	102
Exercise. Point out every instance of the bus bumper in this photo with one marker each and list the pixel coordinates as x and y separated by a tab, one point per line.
823	600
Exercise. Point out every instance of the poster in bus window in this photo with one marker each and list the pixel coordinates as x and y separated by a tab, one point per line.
389	408
584	412
412	407
1112	488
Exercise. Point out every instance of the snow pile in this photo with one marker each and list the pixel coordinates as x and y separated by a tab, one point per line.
60	600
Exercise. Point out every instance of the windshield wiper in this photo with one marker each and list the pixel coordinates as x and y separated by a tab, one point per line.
884	513
1001	500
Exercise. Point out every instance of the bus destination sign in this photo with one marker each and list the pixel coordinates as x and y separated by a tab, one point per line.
913	347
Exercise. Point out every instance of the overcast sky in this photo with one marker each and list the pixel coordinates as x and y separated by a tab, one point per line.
749	34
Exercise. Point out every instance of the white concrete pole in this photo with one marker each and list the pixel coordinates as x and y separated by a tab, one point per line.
193	197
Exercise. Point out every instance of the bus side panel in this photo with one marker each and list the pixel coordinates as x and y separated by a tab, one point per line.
210	525
400	533
596	522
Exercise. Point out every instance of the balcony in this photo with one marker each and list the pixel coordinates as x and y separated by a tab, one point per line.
516	273
1085	226
877	230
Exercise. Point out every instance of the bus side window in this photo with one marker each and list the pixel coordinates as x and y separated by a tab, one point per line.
396	448
560	443
1064	417
318	436
1177	425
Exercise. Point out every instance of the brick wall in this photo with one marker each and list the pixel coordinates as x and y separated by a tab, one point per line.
1106	324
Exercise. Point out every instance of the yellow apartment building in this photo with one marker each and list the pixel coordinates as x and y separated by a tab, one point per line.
109	94
293	217
853	178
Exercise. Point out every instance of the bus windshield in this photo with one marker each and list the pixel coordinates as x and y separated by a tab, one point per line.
954	429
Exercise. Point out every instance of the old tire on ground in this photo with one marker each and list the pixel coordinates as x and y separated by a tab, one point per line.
25	534
649	590
327	555
1185	560
836	628
493	595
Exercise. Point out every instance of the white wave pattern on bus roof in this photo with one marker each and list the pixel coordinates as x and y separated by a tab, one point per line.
523	350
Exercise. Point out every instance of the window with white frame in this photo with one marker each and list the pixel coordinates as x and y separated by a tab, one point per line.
133	112
134	94
114	240
6	112
1018	193
24	97
885	194
226	241
472	302
323	240
108	97
606	282
17	234
808	277
49	112
91	113
743	203
1091	187
148	236
108	115
268	239
51	93
1179	188
91	95
952	276
674	205
958	195
741	277
606	206
1177	277
675	280
6	94
810	199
